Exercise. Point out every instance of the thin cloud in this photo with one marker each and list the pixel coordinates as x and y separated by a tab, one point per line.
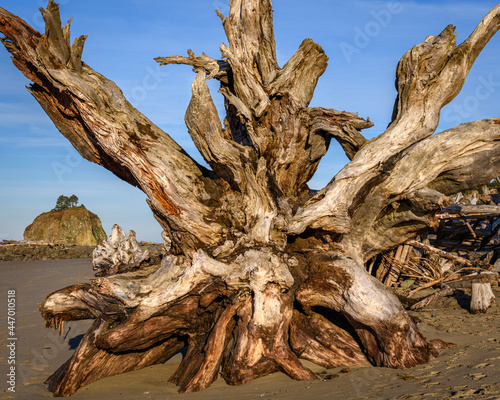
22	114
30	141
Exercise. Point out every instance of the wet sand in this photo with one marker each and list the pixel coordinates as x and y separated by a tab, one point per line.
470	371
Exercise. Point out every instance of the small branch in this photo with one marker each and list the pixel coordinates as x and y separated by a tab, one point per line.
429	299
213	68
486	29
469	209
442	253
450	278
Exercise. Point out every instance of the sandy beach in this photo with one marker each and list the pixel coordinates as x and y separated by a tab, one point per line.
470	371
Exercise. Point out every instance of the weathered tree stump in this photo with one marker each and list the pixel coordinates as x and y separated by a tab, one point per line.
120	253
482	297
261	271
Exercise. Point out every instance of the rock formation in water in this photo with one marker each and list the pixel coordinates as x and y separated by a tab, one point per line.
73	226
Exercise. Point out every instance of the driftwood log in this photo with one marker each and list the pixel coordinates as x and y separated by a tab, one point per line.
261	270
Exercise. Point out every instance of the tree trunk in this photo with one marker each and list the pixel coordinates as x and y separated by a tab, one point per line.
260	270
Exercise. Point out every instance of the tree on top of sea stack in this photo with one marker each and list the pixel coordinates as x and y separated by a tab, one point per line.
261	271
64	202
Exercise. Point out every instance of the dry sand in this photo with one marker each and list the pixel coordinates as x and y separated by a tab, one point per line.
470	371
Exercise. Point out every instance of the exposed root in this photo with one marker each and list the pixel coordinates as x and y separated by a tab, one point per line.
388	336
237	319
320	341
56	322
438	344
213	352
90	364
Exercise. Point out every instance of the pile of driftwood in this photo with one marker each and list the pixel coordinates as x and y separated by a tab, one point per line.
461	254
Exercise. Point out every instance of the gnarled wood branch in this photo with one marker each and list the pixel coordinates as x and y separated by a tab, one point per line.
249	30
213	68
300	74
428	76
342	126
453	160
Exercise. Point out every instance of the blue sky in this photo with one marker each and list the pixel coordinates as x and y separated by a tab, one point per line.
363	39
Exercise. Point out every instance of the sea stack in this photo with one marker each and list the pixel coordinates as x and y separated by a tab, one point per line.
74	226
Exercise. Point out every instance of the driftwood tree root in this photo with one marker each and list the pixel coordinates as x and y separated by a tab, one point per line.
248	318
261	270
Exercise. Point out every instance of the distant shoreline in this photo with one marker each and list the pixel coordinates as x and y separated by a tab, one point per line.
30	251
